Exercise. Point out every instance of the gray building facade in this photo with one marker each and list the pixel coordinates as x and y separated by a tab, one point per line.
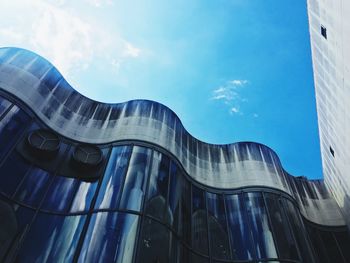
329	24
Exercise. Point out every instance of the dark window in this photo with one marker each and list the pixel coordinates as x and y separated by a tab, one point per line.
51	238
331	150
136	178
4	105
324	31
153	243
343	240
199	221
242	248
113	178
158	186
179	203
331	245
219	243
299	231
12	124
110	238
284	239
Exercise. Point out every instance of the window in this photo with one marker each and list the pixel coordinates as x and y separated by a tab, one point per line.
331	150
324	31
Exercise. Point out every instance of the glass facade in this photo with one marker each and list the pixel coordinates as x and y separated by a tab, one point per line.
142	207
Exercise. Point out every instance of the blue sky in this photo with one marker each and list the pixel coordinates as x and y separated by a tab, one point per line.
232	70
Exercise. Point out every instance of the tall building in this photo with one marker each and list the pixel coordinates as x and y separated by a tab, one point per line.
329	24
84	181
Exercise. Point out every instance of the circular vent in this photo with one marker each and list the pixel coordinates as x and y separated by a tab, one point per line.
44	142
87	155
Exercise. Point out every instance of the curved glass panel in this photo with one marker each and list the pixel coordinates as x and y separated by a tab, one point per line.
199	221
157	195
136	179
154	242
11	125
331	245
240	236
110	238
260	228
299	231
284	239
343	241
33	187
219	243
51	238
113	178
4	105
179	203
83	196
12	173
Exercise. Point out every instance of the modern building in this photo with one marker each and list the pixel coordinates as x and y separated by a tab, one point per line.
84	181
330	43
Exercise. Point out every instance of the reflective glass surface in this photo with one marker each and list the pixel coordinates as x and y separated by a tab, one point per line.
11	125
113	177
51	238
239	232
260	227
154	242
4	105
199	221
157	195
136	179
284	239
219	242
111	237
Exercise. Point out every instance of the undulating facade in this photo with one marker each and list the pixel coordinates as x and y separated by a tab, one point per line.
84	181
329	24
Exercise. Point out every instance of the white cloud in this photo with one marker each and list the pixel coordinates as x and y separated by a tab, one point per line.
99	3
229	94
71	41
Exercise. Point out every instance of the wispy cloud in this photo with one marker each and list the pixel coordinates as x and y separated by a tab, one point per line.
71	41
229	94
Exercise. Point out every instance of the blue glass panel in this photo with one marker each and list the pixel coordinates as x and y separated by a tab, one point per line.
14	222
136	179
12	173
12	124
110	238
299	231
199	221
51	238
154	242
262	233
180	203
284	240
4	105
60	194
158	186
242	248
219	243
33	187
113	178
83	196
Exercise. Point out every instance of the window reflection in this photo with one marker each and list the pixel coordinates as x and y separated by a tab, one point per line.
238	228
180	203
51	238
33	187
261	231
219	242
12	124
12	173
110	238
136	178
299	231
154	243
113	178
199	221
284	239
158	186
4	105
